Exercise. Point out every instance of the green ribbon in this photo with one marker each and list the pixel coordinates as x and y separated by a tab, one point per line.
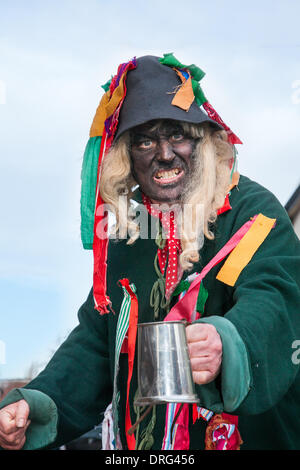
181	287
196	74
202	298
89	173
202	295
106	85
88	191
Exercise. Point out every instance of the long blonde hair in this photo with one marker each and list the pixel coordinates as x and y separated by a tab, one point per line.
207	188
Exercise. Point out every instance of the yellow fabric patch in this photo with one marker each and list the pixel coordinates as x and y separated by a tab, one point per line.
244	251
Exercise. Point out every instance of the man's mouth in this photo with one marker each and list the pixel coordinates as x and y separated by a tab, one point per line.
168	176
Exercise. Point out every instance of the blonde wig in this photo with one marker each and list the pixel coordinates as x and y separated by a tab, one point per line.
203	196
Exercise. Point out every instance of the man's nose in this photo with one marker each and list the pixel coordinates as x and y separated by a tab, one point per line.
165	151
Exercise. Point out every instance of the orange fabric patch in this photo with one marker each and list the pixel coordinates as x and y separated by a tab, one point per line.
184	97
106	108
234	181
100	116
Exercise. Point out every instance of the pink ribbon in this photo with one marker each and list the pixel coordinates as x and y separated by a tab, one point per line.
186	305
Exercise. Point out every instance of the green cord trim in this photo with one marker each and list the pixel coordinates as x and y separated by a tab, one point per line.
137	410
157	294
160	240
147	439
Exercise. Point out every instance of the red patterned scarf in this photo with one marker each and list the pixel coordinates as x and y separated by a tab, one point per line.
169	254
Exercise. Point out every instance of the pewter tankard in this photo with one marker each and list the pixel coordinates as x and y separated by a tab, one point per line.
164	368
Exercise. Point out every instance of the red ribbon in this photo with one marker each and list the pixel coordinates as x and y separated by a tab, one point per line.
170	252
222	433
212	113
100	243
132	333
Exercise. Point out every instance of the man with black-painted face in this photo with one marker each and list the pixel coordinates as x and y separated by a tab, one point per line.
162	159
224	260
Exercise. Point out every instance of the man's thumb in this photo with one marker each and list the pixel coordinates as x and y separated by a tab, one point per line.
22	413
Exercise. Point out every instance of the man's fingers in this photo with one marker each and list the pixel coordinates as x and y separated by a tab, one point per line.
10	414
205	348
198	349
197	332
10	436
203	377
22	413
11	440
205	351
7	423
202	363
16	446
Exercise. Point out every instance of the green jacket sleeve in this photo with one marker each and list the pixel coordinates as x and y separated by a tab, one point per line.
77	378
235	375
266	305
43	416
261	321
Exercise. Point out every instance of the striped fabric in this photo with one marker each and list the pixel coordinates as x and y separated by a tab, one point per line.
222	434
169	440
204	413
122	327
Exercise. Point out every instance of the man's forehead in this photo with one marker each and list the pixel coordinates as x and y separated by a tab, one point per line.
157	126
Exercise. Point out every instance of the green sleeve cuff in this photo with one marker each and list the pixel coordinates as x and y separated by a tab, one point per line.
235	370
43	415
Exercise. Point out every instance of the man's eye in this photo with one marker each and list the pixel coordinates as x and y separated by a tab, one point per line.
145	144
177	137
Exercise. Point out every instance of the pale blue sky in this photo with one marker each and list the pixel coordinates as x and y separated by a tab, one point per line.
54	55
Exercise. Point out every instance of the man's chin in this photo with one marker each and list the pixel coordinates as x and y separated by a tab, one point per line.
167	198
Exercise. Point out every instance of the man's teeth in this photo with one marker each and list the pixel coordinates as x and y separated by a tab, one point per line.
167	174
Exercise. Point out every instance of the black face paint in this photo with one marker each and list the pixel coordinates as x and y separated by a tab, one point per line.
162	159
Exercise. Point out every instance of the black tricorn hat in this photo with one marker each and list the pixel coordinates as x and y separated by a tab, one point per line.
150	90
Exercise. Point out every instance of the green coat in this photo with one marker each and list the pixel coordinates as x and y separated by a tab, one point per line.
258	320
